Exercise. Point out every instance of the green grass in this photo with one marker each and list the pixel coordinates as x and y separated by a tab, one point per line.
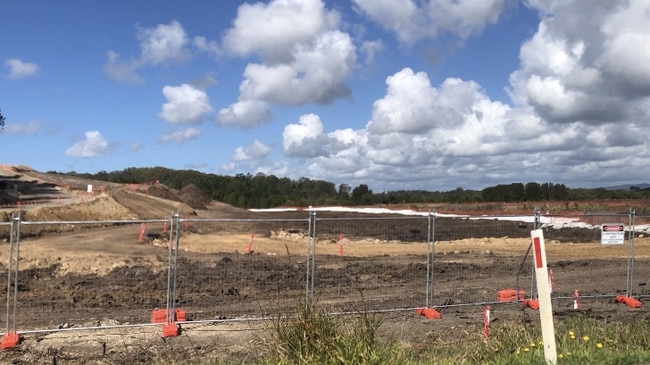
313	337
317	338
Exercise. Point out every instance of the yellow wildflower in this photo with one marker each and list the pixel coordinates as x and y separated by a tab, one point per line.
599	345
585	338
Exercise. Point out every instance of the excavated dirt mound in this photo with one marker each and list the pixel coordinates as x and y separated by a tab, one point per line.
194	197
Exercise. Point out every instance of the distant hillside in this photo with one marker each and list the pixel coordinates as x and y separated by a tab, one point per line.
627	187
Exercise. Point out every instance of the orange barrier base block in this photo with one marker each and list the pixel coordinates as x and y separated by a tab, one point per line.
160	316
532	304
510	295
181	315
9	340
171	330
629	301
428	313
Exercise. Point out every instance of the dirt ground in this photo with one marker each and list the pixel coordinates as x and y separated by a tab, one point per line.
87	291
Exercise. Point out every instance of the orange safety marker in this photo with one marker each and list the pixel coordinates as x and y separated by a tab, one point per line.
510	295
341	245
428	313
142	229
486	322
250	244
165	227
9	340
576	300
532	303
629	301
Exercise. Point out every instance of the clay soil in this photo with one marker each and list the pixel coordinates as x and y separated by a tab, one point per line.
86	292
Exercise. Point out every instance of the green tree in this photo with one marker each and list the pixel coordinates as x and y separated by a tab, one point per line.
533	192
362	195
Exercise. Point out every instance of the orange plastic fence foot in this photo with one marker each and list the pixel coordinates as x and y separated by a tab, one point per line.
629	301
160	316
532	303
510	295
429	313
171	330
181	315
9	340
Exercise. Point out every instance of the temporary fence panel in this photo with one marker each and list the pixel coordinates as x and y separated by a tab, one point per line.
583	261
476	257
213	269
371	263
640	283
89	283
240	268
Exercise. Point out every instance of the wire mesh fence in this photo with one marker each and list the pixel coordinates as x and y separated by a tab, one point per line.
53	287
139	272
371	264
240	268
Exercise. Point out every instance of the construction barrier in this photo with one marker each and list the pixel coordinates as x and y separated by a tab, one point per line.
185	269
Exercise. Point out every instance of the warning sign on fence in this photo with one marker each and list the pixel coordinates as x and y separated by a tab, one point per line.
612	234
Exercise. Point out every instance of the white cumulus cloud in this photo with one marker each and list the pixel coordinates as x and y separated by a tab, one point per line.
180	136
31	127
414	20
256	150
185	104
19	69
584	63
244	114
163	44
93	145
305	58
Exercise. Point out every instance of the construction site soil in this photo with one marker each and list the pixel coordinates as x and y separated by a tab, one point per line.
89	281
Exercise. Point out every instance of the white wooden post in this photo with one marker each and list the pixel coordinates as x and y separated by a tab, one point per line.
544	296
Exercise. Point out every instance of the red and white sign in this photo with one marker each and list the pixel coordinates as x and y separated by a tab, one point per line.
612	234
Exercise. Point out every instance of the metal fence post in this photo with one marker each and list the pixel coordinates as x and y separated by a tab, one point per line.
311	257
171	266
175	270
536	225
13	240
11	338
630	251
430	255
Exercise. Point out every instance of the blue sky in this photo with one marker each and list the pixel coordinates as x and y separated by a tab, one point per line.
395	94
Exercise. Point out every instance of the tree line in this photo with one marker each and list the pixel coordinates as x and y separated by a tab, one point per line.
268	191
